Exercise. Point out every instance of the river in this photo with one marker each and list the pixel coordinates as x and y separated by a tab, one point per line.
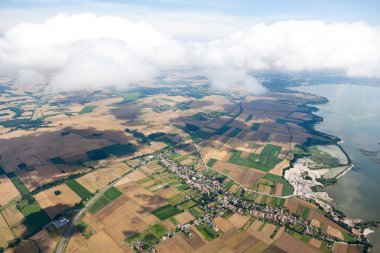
353	114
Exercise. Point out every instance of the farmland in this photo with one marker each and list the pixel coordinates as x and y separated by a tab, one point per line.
87	109
78	189
110	195
76	145
265	161
35	217
18	184
165	212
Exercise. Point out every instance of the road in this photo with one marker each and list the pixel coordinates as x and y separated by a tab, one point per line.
70	228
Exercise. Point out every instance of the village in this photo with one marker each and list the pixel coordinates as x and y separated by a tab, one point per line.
217	201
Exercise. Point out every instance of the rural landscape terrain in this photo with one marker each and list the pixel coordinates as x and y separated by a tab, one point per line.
171	166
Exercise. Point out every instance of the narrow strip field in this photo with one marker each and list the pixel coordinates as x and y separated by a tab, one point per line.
110	195
79	189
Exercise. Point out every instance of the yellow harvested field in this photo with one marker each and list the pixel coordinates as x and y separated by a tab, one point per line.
55	204
97	243
26	246
234	188
279	188
258	198
184	217
263	234
264	189
256	225
258	247
136	175
45	242
238	220
175	244
124	218
268	229
334	232
92	222
278	169
37	148
327	222
223	224
316	243
279	233
239	241
218	154
41	175
8	191
316	223
289	243
167	193
196	240
123	181
142	196
292	205
98	179
244	175
232	241
345	248
14	219
5	233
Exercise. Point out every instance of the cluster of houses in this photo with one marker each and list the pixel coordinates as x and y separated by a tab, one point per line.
220	201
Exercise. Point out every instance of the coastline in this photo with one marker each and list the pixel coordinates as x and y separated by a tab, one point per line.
328	139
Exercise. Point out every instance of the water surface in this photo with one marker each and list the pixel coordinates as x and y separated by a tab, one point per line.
353	114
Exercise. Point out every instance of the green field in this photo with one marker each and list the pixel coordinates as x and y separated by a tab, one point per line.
266	161
234	132
182	187
110	195
305	213
187	205
228	184
165	212
87	109
211	162
207	232
249	118
200	135
79	189
18	184
255	126
287	187
196	212
57	160
222	130
128	97
35	217
278	201
115	150
174	200
322	159
151	235
264	199
348	237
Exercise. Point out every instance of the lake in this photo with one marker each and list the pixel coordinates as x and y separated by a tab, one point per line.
353	114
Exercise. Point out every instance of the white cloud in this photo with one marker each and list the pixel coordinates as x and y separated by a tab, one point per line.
28	76
88	51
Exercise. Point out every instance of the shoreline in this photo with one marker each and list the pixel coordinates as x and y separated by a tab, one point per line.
327	139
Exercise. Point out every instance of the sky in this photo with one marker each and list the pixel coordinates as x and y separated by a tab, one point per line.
91	44
233	14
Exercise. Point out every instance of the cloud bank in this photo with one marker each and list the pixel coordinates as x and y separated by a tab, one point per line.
87	51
